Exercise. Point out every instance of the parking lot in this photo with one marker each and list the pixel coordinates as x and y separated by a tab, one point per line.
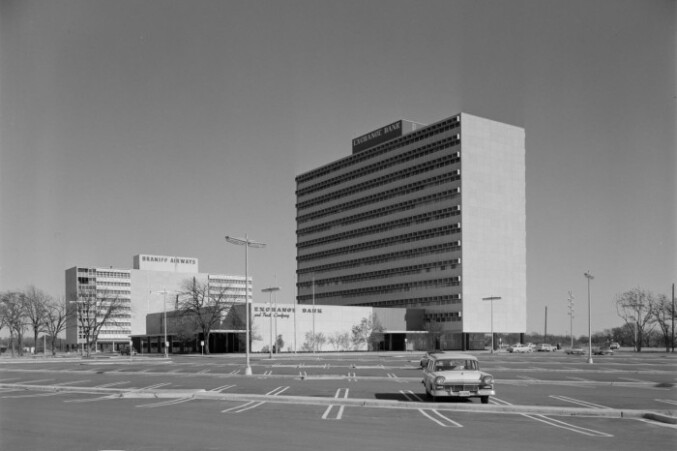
374	401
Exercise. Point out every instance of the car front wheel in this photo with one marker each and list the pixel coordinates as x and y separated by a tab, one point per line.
484	399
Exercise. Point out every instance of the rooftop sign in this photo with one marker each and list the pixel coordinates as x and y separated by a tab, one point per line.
378	136
165	263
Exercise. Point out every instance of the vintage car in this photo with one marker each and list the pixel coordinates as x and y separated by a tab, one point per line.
458	375
615	345
545	347
520	348
604	350
575	351
427	357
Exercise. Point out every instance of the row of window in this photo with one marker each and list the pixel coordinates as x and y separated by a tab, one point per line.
113	274
107	292
381	197
380	228
413	154
384	274
383	211
413	303
385	242
384	180
383	258
386	289
409	138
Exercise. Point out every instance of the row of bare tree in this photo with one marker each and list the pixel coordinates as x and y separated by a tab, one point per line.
31	310
644	311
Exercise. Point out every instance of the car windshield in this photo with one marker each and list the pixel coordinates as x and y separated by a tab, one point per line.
455	365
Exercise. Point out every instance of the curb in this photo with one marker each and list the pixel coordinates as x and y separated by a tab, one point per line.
662	417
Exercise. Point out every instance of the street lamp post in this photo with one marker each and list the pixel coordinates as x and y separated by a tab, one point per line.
270	302
589	277
164	311
492	299
247	243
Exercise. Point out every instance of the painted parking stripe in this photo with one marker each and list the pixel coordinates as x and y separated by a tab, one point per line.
579	402
555	423
9	379
352	377
339	414
434	414
570	427
206	370
223	387
234	372
667	401
441	419
253	404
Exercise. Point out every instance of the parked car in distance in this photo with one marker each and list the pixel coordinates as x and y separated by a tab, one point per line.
615	345
604	350
575	351
126	351
545	347
520	348
458	375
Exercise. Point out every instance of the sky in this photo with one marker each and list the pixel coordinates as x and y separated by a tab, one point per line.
159	127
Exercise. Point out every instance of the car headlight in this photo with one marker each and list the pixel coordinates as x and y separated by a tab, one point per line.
439	380
487	380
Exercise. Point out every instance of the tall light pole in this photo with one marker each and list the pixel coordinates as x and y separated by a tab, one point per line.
270	302
571	317
247	243
164	293
492	299
589	277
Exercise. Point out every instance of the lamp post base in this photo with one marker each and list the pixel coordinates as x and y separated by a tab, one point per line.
248	371
590	360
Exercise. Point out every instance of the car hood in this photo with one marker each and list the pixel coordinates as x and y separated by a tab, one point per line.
460	376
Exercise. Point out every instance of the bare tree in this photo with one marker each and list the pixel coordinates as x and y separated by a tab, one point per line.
339	340
435	331
369	331
11	304
207	309
637	308
94	312
56	317
35	306
313	342
663	314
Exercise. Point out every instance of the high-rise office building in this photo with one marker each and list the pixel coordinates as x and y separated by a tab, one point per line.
421	216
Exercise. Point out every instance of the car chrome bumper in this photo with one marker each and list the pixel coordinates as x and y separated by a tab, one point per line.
480	392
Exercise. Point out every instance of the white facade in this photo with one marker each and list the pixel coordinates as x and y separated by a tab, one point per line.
297	324
493	196
150	287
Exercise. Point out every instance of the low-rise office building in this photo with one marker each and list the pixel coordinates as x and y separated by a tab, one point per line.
151	285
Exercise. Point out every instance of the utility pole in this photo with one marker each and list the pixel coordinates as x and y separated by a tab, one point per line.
571	317
673	317
545	330
589	277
